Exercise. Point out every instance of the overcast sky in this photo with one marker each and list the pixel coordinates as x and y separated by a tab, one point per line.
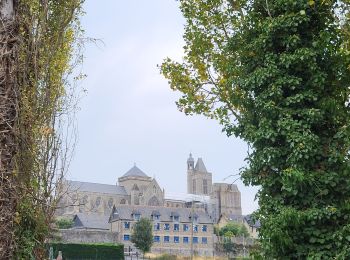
129	113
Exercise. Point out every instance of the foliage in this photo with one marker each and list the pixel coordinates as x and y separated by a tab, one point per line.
166	257
229	247
276	74
64	223
88	251
233	229
49	36
142	236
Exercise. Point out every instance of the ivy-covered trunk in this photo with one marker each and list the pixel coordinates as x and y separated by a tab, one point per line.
296	79
8	117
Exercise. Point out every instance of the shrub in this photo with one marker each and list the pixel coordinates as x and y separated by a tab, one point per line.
89	251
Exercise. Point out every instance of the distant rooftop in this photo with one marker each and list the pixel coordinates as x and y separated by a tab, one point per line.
135	171
125	212
96	187
91	221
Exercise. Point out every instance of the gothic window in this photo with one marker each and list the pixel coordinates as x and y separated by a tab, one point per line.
153	201
110	203
135	187
194	190
82	203
123	201
154	189
205	186
98	202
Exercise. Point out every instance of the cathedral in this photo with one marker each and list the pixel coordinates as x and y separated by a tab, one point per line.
136	188
182	223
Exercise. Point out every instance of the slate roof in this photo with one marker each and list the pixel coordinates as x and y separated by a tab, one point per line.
236	218
124	212
91	221
135	171
200	166
251	222
96	187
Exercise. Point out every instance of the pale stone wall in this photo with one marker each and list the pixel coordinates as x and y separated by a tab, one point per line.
195	182
85	202
229	198
87	236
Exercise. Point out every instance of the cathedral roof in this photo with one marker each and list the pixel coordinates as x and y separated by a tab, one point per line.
96	187
91	221
135	171
200	166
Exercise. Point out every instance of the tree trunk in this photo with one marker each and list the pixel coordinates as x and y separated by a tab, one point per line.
8	118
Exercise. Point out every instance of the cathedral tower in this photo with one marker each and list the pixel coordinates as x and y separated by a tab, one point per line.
199	180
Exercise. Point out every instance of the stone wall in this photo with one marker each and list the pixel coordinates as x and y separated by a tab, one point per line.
88	236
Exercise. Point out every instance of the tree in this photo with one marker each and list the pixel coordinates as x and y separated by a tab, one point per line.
39	50
234	229
276	74
8	116
142	236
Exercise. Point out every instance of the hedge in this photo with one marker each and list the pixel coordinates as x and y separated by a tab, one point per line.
88	251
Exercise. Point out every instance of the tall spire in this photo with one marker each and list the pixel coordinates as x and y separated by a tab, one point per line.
190	162
200	166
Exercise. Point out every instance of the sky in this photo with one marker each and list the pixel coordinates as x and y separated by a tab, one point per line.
128	114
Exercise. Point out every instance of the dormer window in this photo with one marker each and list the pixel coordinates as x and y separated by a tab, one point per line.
175	217
155	215
137	216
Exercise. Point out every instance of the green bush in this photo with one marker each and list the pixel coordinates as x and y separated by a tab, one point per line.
64	223
89	251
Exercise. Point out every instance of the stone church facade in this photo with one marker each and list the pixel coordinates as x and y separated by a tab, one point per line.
138	189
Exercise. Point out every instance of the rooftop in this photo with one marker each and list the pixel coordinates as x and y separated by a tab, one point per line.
95	187
135	171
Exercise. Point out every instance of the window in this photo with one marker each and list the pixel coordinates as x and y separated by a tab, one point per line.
185	239
205	186
166	226
157	226
166	239
176	227
137	216
126	225
176	218
204	228
176	239
204	240
195	240
195	228
185	227
194	186
156	217
156	239
126	237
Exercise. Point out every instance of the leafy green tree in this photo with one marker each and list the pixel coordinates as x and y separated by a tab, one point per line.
234	229
64	223
142	235
276	74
